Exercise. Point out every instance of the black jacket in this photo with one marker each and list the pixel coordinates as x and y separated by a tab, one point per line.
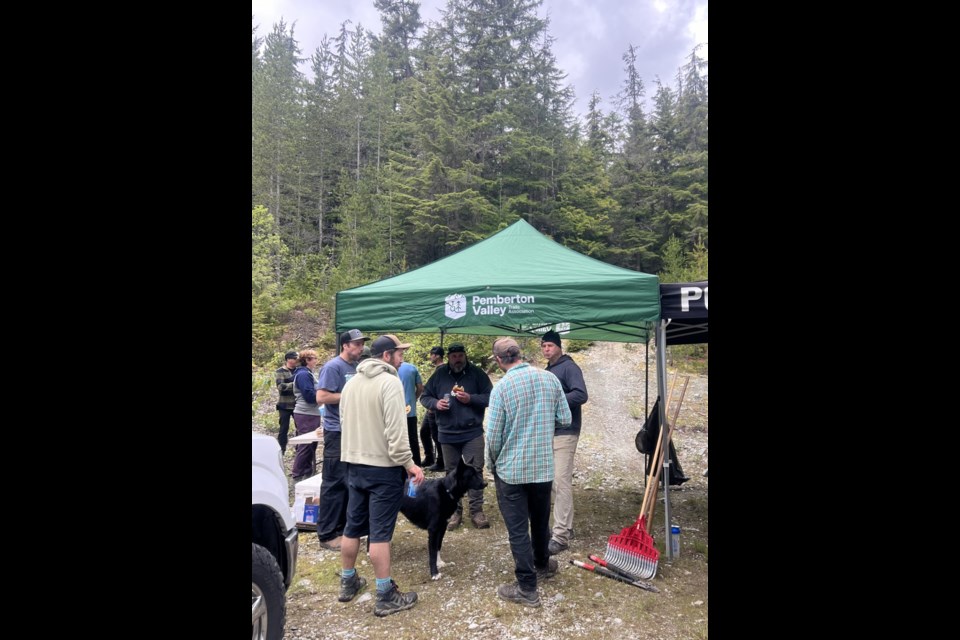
571	379
463	422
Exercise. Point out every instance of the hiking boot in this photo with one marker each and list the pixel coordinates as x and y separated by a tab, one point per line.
393	601
514	593
548	571
349	587
331	545
455	521
428	461
554	547
480	521
436	467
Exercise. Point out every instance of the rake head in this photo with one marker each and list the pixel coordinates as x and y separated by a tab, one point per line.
632	550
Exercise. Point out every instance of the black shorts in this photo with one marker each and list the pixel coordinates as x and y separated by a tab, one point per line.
374	495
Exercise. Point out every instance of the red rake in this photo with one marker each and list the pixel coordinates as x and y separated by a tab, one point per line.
632	549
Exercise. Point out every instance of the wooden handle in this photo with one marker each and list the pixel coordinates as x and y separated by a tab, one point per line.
672	421
656	451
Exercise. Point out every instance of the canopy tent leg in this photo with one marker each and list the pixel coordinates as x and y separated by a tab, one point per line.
646	401
662	387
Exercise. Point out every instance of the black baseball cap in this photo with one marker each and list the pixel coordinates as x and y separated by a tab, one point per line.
387	342
456	347
350	336
290	354
437	351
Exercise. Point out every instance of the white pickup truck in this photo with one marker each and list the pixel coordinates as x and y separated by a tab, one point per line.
274	540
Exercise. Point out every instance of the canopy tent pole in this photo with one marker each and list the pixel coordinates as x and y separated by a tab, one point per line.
646	401
662	387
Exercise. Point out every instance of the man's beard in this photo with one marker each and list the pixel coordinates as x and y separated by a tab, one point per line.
458	367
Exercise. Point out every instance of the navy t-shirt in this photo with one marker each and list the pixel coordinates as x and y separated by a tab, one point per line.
334	375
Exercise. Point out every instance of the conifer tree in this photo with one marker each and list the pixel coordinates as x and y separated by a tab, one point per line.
277	127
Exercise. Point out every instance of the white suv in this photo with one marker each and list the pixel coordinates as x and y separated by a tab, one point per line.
274	540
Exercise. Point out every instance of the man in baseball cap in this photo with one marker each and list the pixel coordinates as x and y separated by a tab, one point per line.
458	393
333	486
286	400
376	452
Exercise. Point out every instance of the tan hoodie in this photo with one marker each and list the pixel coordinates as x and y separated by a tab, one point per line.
373	418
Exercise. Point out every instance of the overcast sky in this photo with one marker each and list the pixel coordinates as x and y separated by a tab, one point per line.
591	36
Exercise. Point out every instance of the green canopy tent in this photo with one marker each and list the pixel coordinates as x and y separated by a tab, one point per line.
516	282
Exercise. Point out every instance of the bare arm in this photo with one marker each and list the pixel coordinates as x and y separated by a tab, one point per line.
325	397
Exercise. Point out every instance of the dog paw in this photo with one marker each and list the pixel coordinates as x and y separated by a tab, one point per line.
440	563
436	577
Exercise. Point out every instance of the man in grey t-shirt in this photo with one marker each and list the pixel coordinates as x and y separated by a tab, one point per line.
333	485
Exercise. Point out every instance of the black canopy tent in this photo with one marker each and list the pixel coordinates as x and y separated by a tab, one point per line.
683	320
684	308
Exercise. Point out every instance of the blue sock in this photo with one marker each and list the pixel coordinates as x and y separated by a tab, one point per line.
383	584
348	573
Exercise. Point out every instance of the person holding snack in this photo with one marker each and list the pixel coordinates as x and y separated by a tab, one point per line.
459	393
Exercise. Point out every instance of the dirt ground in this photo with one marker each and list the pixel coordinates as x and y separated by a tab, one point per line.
608	489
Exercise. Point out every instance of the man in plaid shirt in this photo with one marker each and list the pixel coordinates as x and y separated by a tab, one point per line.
526	406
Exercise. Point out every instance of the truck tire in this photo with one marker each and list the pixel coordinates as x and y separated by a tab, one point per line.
269	597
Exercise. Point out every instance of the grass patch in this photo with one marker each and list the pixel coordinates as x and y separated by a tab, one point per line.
700	547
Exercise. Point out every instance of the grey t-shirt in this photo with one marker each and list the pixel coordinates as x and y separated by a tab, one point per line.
335	374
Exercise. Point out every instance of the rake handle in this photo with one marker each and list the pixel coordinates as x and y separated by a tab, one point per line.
615	576
671	423
656	455
606	565
650	497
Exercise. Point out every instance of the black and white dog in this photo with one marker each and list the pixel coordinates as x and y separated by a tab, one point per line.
435	502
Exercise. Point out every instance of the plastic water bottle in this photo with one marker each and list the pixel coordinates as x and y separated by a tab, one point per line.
412	490
675	540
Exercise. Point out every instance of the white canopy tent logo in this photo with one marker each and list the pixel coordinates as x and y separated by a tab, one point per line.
455	306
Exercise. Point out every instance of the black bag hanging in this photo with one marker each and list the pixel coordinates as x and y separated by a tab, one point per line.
646	442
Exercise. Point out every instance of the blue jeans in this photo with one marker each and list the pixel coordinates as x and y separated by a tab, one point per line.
521	504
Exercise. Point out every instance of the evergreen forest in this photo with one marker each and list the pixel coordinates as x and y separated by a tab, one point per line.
412	141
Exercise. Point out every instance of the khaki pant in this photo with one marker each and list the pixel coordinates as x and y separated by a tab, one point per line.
564	447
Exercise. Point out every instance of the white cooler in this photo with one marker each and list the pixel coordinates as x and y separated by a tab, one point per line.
306	502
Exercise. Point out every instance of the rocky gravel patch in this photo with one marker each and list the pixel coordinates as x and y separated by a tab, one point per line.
608	487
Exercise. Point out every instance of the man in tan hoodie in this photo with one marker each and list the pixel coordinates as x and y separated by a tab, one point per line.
376	450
